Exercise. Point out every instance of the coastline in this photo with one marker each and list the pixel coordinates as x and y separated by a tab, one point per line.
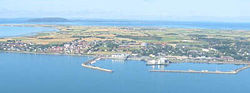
47	54
51	27
134	59
95	58
71	42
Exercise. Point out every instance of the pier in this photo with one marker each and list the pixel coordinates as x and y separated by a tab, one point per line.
204	71
241	69
89	63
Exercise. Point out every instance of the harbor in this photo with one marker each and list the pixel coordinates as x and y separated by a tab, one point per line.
162	62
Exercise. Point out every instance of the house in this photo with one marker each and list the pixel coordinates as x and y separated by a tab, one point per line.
120	56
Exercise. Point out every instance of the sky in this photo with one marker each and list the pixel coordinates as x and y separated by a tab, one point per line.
186	10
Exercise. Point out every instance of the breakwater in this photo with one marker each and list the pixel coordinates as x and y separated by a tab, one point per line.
212	62
204	71
89	63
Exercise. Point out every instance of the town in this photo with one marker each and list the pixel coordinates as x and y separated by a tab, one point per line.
122	50
153	45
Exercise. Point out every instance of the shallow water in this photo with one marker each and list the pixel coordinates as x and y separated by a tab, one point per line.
28	73
171	24
8	31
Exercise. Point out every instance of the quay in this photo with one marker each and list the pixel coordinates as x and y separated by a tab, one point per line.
204	71
97	68
194	71
211	62
89	63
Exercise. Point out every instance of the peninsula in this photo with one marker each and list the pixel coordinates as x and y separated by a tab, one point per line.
153	45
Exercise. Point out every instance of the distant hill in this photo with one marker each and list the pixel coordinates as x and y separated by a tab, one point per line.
48	20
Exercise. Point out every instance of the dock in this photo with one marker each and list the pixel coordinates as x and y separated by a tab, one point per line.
89	63
204	71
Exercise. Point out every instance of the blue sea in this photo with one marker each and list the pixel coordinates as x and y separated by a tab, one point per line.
33	73
170	24
7	31
30	73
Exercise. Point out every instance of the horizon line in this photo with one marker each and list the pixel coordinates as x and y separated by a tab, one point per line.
119	19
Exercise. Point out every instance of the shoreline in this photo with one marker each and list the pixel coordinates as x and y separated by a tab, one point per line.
52	54
76	42
143	26
95	58
160	27
53	28
133	59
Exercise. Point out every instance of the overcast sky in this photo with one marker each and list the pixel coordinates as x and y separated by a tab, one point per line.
218	10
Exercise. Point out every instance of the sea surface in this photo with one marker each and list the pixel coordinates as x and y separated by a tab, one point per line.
169	24
30	73
8	31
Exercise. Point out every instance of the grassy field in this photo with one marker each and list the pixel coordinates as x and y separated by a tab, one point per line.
139	34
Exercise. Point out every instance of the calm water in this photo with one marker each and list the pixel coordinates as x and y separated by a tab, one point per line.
202	25
172	24
7	31
27	73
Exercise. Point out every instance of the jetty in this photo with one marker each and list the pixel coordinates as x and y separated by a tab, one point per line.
92	61
96	68
89	63
204	71
241	69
